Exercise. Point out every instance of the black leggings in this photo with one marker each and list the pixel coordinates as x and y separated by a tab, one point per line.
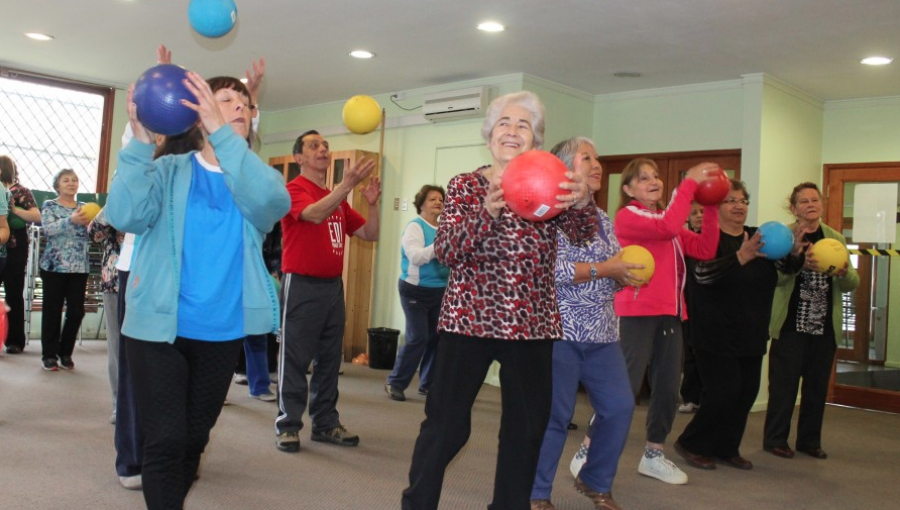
179	390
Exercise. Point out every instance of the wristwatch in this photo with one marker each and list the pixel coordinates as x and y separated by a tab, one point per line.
593	272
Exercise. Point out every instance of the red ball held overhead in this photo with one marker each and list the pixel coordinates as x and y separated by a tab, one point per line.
531	183
714	189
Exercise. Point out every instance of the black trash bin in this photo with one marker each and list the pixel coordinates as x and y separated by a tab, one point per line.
383	347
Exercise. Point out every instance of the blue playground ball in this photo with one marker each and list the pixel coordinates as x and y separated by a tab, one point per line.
778	240
212	18
158	94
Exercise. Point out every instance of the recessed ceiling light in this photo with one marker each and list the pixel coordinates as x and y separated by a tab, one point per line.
876	61
39	37
627	74
361	54
491	26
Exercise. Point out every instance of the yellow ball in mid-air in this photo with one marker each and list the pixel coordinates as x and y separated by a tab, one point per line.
361	114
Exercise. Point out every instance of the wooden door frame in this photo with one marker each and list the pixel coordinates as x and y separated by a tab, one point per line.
668	171
832	185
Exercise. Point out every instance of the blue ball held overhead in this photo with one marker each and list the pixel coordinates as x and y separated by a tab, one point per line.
158	94
212	18
778	240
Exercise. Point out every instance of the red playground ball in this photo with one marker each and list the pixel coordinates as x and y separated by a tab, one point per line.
531	183
158	94
714	189
4	324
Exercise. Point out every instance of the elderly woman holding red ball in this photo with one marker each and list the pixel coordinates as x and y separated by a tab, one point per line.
500	305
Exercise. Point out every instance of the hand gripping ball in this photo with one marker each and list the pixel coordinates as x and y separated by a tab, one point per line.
90	210
778	240
212	18
713	189
531	183
831	255
634	254
361	114
158	94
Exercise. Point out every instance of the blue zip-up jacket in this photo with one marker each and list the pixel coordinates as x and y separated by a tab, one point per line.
149	198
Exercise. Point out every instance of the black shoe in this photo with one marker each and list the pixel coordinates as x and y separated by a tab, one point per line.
13	349
423	392
338	435
394	392
50	364
66	363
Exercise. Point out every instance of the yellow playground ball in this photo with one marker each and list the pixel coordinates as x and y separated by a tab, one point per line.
635	254
361	114
830	255
90	210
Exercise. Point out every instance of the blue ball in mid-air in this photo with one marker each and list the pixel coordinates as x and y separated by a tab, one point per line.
778	239
212	18
158	94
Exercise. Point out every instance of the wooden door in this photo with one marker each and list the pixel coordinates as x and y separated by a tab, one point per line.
359	257
672	166
867	364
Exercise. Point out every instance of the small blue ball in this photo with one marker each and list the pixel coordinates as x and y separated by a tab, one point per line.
158	94
212	18
778	240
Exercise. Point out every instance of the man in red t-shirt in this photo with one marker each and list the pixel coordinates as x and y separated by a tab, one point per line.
315	234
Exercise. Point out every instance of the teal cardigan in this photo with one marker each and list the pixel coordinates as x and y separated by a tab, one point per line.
149	198
785	288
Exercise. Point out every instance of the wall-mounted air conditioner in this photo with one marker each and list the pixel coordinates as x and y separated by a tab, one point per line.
455	104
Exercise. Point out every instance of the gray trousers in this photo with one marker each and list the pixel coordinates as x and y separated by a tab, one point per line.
111	307
653	344
312	332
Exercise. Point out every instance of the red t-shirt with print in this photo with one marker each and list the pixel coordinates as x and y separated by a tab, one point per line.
310	249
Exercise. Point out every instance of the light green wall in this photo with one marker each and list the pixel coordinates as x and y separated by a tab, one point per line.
701	117
790	148
862	131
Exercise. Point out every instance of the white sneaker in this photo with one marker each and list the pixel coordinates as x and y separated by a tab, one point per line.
688	408
132	483
240	379
662	469
578	460
265	397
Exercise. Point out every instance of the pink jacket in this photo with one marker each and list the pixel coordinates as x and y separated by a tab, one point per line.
663	233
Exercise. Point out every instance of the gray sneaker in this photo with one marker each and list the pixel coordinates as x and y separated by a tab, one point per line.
288	442
338	435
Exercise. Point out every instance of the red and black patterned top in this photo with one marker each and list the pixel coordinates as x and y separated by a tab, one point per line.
501	270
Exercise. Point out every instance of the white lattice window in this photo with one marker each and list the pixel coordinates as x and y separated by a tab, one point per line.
45	127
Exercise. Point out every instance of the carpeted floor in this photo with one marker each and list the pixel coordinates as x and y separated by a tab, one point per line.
56	452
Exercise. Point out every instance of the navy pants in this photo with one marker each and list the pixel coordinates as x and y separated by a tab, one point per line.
129	439
422	306
601	369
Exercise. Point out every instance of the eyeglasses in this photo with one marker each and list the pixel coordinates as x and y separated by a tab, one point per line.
735	201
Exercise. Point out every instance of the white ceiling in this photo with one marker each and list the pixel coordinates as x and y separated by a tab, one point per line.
814	45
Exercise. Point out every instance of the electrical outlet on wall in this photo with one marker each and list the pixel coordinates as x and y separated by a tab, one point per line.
405	204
